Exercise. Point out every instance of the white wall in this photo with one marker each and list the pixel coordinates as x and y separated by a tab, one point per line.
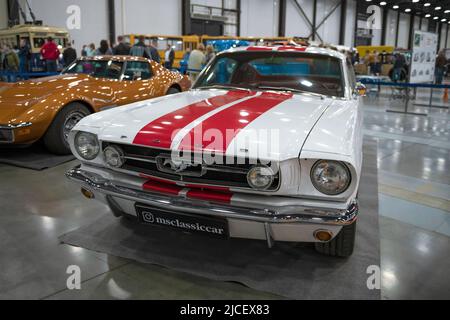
296	24
391	30
94	20
443	27
3	14
424	24
259	18
148	17
403	31
329	31
350	23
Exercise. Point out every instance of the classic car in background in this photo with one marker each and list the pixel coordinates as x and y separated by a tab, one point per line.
267	145
49	108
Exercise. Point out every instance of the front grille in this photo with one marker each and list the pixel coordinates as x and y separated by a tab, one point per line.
149	161
6	135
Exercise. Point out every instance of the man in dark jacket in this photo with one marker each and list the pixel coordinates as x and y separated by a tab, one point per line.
122	49
154	52
24	56
169	57
140	49
69	55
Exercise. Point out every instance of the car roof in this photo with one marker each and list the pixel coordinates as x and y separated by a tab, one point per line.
290	48
116	58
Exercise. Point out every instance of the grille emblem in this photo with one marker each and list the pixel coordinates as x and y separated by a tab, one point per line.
182	167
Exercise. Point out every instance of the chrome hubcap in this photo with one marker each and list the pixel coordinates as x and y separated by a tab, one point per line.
71	120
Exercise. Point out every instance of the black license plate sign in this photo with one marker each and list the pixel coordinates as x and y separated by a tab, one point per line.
216	227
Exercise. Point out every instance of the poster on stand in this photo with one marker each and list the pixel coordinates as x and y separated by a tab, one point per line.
423	58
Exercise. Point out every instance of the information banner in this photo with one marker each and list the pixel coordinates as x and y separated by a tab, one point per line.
423	59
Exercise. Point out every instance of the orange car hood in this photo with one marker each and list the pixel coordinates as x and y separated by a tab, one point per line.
18	97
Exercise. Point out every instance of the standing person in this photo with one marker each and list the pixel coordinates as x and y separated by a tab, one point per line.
10	59
69	55
154	51
50	54
169	57
441	62
139	49
399	64
84	51
90	50
196	60
122	49
104	49
210	54
24	56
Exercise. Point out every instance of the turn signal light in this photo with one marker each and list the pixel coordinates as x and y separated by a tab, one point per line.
88	194
323	235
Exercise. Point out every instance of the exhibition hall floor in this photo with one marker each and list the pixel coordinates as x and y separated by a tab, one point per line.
414	199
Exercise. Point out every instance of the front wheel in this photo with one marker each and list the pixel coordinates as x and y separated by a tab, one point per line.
342	245
56	138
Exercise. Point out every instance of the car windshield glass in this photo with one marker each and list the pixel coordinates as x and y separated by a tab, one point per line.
271	70
97	68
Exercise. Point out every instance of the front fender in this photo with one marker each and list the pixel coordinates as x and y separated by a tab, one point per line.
41	114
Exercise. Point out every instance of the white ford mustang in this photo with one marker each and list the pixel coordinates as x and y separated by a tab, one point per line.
267	145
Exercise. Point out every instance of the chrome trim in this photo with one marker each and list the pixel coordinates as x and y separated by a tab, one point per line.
16	126
285	214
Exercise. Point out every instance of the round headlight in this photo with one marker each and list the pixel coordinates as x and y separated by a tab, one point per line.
260	177
87	145
114	156
330	177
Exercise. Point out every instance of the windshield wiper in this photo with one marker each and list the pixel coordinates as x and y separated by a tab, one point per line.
222	86
287	89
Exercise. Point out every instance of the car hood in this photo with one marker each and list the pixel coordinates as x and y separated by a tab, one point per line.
240	123
18	97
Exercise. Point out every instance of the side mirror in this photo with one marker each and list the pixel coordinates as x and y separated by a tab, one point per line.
360	90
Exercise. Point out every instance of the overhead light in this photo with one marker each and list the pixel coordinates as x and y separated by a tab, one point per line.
427	15
443	20
437	8
395	7
435	18
368	0
427	4
382	3
447	11
407	10
414	1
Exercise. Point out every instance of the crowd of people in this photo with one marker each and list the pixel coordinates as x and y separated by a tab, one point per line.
18	59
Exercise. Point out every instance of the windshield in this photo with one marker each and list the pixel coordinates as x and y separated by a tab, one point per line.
96	68
271	70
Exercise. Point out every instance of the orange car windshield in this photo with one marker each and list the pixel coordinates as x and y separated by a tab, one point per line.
97	68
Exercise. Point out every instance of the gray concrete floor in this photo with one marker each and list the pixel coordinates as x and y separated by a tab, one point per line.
414	177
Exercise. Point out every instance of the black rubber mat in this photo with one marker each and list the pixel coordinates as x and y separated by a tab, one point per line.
34	157
289	270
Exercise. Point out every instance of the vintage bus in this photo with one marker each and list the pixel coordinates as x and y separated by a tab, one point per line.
35	35
179	43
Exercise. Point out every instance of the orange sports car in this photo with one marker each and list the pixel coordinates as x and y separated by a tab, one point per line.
48	108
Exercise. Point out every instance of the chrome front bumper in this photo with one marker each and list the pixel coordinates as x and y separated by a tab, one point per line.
295	223
7	131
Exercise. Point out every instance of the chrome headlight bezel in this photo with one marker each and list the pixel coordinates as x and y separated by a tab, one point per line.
339	165
260	169
94	145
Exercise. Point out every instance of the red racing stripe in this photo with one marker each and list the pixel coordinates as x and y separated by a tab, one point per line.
229	122
210	196
162	188
159	133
